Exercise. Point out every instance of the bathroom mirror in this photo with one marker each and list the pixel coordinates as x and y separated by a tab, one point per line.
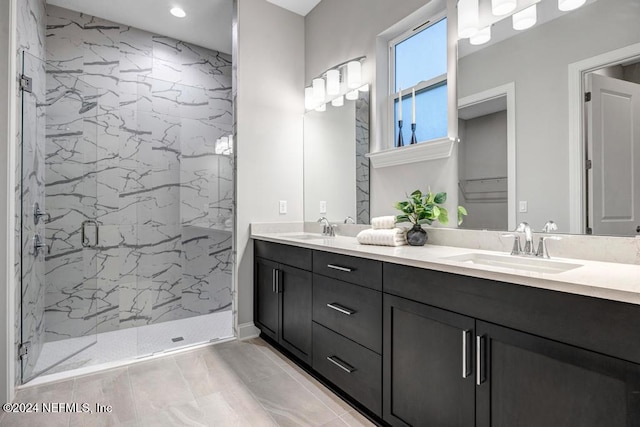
336	171
547	67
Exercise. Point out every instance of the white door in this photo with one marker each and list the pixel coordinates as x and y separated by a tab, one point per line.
613	146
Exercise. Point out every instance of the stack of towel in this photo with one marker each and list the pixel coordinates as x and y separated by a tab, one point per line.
383	233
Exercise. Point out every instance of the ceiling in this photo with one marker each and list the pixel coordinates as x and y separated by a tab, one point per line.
301	7
207	24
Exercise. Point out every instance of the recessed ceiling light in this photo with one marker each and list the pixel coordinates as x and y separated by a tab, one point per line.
178	13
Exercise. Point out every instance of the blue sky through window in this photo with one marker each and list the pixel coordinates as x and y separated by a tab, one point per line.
431	115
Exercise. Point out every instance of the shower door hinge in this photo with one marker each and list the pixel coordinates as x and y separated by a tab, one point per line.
589	164
26	83
587	96
23	349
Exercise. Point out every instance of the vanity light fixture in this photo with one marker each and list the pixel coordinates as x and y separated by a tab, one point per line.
526	18
566	5
468	15
354	74
332	85
338	102
503	7
333	82
481	37
178	12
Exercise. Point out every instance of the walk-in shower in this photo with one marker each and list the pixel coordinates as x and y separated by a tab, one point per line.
126	201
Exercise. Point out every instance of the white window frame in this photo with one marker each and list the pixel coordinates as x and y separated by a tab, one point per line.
391	95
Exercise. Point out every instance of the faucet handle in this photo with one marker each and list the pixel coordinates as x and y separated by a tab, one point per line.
517	249
542	251
550	226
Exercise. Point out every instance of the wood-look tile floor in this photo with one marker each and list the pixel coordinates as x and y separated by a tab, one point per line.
232	384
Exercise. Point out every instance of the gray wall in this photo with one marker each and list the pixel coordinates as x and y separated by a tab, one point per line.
269	106
537	61
483	154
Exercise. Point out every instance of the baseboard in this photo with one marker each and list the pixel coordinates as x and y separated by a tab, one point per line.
247	331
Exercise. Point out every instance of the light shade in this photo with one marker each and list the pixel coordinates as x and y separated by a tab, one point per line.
178	12
308	98
481	37
338	102
318	90
467	18
352	96
565	5
322	108
364	88
526	18
333	82
354	74
503	7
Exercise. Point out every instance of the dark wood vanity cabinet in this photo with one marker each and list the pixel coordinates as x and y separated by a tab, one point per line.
420	347
283	296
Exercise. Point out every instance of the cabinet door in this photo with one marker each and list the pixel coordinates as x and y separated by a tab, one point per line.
295	287
427	365
526	380
266	298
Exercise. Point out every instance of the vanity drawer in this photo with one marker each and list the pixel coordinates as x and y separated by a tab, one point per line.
351	367
350	310
285	254
361	271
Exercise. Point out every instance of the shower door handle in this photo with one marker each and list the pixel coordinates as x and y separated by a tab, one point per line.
85	240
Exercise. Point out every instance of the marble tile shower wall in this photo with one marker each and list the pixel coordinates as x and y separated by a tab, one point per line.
152	180
362	162
29	178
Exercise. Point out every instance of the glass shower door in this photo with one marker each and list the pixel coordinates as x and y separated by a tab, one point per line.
59	232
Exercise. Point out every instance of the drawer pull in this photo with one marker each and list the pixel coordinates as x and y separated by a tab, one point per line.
337	267
342	309
341	364
480	360
466	353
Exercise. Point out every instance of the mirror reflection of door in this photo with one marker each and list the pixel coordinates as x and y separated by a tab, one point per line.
613	150
482	160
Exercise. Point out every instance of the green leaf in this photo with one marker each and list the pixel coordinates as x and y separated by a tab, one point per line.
461	213
402	218
417	193
425	221
444	216
440	198
435	212
429	198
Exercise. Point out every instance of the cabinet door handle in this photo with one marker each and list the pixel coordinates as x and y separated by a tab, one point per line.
466	353
341	364
278	290
341	308
273	280
480	360
340	268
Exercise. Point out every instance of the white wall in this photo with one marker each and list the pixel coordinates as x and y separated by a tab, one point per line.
269	110
7	17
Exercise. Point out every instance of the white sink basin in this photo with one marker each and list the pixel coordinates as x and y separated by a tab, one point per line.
537	265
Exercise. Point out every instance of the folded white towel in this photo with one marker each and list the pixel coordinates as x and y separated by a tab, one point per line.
383	222
388	237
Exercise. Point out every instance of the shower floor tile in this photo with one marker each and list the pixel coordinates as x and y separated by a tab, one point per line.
133	342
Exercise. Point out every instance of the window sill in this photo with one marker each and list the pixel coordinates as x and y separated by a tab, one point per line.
426	151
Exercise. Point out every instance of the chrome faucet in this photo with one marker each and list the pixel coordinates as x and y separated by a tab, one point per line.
349	219
524	227
542	251
327	229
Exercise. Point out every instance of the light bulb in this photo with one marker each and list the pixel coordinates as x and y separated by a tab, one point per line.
467	18
322	108
338	102
178	12
333	82
526	18
352	96
481	37
308	98
566	5
503	7
354	74
318	90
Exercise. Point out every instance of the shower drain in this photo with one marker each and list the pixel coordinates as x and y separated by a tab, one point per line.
177	339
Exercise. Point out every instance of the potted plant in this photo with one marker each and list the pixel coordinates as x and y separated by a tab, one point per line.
421	209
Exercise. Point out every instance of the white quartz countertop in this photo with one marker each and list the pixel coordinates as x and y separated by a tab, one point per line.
613	281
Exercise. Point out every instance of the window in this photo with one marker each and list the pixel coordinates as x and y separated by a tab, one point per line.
418	61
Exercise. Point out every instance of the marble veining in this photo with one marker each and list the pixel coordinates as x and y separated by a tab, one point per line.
362	162
125	126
